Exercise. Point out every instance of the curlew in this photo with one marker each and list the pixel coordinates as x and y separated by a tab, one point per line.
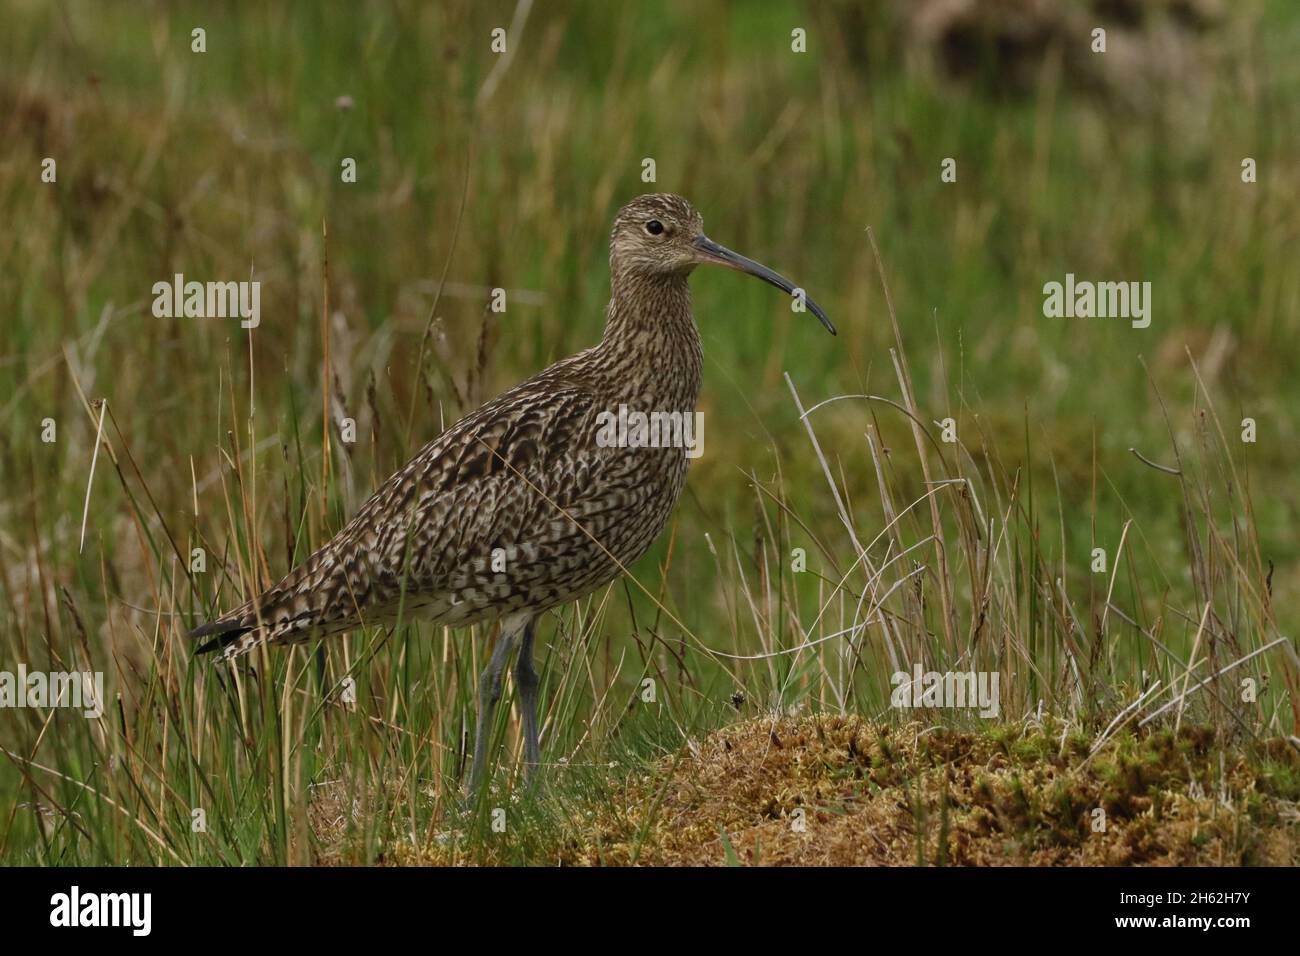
525	504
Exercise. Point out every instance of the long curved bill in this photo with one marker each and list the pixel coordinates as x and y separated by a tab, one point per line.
713	252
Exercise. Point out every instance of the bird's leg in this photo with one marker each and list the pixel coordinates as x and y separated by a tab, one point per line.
489	692
526	681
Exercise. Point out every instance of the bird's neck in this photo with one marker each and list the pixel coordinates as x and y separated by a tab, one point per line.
651	348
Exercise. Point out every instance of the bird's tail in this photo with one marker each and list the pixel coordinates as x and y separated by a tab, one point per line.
301	606
239	631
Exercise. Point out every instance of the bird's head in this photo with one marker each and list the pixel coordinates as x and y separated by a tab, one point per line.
662	234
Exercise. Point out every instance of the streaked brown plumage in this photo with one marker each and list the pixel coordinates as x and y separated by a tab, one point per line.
524	474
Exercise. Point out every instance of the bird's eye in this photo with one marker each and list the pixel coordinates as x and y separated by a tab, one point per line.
654	227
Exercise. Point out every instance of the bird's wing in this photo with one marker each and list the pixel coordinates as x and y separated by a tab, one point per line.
470	490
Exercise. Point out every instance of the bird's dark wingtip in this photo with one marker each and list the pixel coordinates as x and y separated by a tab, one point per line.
223	634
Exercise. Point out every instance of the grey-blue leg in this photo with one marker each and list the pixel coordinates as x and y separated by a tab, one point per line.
489	692
526	681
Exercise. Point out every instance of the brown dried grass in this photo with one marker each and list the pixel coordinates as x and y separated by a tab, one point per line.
880	795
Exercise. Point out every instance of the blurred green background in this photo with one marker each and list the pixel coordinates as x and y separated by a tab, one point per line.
225	164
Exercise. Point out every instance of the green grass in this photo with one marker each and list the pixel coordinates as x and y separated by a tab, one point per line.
219	163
